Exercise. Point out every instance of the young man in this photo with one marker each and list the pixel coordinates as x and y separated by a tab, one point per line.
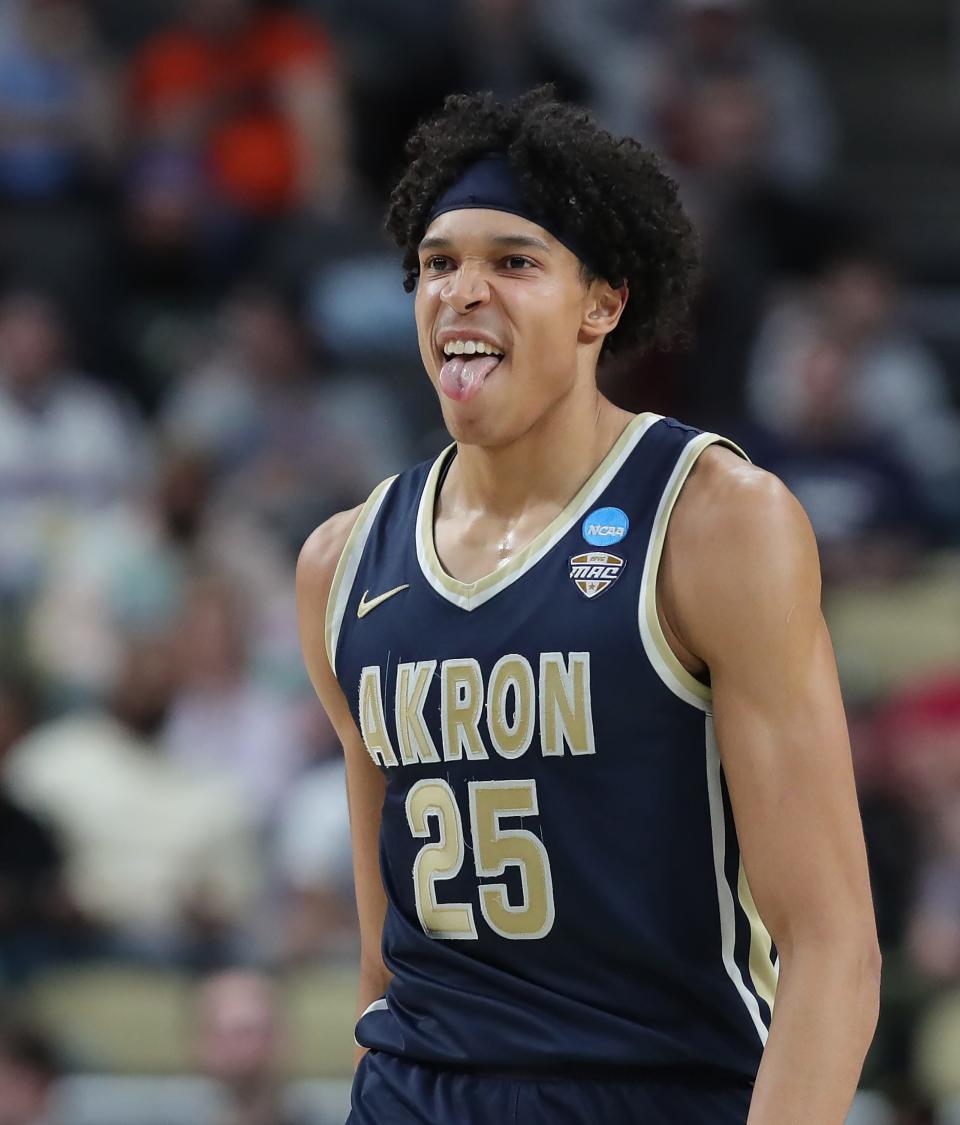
598	773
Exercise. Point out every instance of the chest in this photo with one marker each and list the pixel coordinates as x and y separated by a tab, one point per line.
470	547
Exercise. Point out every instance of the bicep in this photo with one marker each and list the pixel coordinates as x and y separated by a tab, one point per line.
783	743
780	725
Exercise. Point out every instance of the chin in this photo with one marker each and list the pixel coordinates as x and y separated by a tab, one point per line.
471	424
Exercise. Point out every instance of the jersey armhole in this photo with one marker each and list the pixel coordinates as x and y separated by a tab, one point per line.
347	566
664	660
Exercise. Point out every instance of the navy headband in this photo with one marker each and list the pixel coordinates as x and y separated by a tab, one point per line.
491	183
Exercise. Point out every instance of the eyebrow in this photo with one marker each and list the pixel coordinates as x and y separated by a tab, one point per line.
435	242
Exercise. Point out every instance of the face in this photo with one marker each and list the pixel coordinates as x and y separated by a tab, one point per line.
238	1037
148	682
492	278
211	641
29	342
24	1096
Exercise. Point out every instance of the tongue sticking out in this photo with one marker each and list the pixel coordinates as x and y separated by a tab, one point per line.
462	378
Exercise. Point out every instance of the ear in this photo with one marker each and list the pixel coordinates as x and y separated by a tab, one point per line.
602	308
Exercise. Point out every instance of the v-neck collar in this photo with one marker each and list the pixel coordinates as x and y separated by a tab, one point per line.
469	595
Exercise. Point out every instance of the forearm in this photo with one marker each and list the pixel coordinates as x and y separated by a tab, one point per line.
824	1019
374	978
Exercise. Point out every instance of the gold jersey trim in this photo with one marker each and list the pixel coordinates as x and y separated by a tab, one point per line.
664	660
762	974
469	595
347	566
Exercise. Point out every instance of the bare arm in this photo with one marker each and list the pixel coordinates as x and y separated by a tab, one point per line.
365	785
742	592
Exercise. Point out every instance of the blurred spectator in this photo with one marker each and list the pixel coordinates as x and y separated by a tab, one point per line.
500	48
863	501
160	855
752	229
399	64
605	42
171	274
313	858
67	447
897	394
34	908
128	566
252	96
922	729
293	443
728	41
221	718
57	112
29	1069
238	1045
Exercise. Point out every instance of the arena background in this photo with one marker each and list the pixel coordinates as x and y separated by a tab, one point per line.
205	350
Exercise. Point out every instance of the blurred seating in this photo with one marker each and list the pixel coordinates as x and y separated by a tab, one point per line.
855	303
886	635
253	95
871	1108
68	447
651	74
161	857
224	719
312	865
29	1068
936	1050
57	113
292	442
36	913
112	1100
120	1019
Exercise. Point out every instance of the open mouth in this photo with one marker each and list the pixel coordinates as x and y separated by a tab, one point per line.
468	364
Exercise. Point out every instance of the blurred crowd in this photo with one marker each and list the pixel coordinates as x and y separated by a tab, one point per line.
205	350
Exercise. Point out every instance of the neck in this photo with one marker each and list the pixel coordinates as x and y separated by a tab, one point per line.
505	482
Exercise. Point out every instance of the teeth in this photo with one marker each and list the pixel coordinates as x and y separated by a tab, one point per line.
469	347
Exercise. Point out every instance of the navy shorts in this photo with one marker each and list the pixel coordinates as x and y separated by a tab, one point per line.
388	1090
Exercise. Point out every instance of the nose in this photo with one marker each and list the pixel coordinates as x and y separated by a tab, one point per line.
465	289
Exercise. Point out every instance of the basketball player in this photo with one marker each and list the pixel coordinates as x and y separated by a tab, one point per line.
601	797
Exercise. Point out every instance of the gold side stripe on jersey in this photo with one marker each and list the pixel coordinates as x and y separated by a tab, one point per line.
726	902
659	652
347	566
468	595
762	970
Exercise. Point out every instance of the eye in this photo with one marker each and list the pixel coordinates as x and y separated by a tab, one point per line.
437	262
518	262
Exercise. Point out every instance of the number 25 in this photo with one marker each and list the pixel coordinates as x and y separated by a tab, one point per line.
494	850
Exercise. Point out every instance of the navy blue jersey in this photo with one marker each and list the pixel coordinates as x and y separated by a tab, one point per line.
558	850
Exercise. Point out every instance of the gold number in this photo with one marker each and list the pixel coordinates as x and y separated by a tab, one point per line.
441	860
494	850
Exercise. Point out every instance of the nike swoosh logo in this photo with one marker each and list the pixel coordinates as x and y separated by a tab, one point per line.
365	606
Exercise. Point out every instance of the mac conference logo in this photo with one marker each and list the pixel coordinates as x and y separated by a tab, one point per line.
605	526
595	571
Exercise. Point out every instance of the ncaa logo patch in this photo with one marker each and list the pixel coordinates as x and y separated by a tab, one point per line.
605	526
595	571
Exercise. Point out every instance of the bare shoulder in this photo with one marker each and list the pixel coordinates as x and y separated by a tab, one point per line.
321	553
730	506
739	551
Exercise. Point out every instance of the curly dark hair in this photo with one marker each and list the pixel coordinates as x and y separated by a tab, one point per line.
610	193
